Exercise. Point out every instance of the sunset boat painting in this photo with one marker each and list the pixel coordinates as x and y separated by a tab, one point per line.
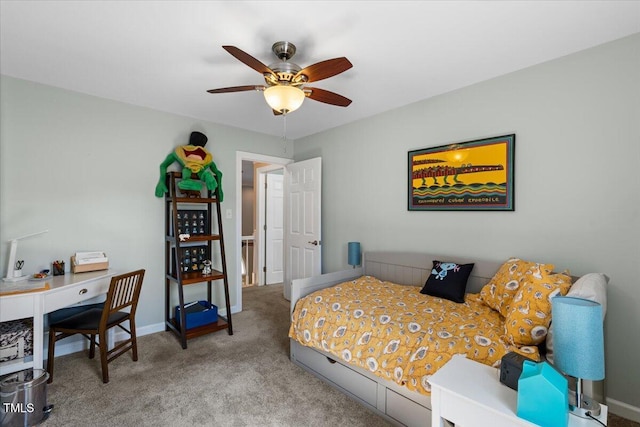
473	175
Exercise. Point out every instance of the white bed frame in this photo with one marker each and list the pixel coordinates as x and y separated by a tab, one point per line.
395	403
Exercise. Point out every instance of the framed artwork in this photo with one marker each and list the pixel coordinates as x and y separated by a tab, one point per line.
466	176
192	222
191	258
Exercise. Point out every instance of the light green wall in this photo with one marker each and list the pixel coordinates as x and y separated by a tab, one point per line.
85	168
577	184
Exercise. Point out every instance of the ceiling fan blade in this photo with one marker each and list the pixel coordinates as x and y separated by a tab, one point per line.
249	60
236	89
327	97
325	69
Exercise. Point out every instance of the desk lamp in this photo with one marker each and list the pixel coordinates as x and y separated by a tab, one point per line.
12	258
578	340
354	254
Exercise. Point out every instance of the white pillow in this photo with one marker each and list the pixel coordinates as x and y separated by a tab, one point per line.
591	286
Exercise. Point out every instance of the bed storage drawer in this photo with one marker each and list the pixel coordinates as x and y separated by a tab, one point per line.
405	410
339	374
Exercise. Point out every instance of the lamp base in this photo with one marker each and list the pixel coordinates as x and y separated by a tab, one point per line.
587	407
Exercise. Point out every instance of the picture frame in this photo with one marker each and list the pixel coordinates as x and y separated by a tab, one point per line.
190	258
192	222
474	175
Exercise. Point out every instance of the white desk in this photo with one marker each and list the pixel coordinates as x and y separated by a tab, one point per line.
469	393
64	291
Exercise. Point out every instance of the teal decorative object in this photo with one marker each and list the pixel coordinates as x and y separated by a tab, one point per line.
543	395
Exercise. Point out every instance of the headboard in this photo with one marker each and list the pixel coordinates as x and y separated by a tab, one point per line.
411	268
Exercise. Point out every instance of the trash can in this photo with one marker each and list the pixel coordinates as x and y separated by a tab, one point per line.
23	398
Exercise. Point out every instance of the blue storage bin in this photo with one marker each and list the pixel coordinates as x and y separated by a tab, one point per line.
197	313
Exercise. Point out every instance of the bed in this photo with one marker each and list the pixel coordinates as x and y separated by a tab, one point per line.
388	382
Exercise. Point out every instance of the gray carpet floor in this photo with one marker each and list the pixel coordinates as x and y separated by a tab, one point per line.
245	379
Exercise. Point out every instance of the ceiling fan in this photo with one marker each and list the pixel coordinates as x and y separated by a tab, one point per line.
286	88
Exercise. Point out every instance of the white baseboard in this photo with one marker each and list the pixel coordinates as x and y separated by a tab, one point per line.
624	410
79	343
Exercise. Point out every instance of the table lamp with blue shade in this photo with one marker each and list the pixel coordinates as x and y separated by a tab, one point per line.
354	254
578	341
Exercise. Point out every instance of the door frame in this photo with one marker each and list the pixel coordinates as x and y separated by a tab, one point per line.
252	157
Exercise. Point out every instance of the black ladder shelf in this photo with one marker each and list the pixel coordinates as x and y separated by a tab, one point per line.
174	245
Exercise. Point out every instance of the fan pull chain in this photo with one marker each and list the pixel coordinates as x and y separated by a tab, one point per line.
284	133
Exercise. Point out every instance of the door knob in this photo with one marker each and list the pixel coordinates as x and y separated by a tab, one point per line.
314	243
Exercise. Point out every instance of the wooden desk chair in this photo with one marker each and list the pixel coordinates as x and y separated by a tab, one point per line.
124	292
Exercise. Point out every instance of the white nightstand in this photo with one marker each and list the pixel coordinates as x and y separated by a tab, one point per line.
469	393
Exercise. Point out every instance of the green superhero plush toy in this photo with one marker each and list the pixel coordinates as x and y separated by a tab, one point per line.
194	159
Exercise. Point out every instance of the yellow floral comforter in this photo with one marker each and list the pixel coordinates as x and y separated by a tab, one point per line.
398	333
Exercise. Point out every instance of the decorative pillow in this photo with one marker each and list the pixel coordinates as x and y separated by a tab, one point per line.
447	280
506	283
591	286
529	318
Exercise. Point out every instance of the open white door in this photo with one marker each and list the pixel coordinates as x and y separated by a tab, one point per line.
302	207
274	233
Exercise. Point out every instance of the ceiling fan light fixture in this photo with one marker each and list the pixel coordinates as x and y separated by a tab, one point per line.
283	98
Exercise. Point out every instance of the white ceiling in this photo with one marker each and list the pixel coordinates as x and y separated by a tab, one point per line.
165	54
